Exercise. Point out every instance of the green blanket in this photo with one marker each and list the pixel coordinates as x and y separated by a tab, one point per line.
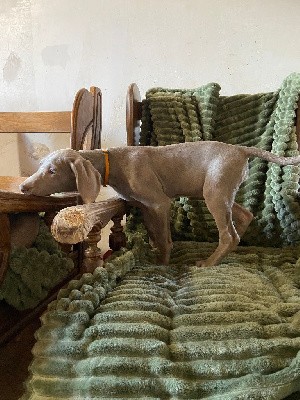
33	272
141	331
232	332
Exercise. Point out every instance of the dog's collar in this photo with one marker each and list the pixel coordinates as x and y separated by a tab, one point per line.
106	167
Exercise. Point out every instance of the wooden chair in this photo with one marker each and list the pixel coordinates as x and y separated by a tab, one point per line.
83	124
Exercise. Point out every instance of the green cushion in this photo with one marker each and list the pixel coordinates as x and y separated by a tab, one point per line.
148	331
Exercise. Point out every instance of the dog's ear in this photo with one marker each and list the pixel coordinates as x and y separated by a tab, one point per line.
88	179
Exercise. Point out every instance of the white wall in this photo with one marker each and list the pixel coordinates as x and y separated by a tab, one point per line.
49	49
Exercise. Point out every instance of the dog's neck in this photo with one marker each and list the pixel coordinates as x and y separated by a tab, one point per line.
100	160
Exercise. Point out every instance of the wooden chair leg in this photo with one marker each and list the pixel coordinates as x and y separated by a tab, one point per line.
5	244
117	238
92	254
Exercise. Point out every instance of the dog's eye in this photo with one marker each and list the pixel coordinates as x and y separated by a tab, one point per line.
51	171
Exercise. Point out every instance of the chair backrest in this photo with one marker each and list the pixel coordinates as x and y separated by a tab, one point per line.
82	124
23	122
87	119
86	113
133	115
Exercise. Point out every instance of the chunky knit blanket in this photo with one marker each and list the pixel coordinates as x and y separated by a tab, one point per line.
143	331
139	330
33	272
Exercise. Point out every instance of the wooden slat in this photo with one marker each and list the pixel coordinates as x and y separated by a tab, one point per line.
12	200
82	117
97	117
15	202
59	121
133	115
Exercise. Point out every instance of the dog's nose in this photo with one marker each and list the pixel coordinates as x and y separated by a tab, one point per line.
25	188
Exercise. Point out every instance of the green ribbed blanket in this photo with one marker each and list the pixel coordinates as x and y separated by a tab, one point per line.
33	272
232	332
143	331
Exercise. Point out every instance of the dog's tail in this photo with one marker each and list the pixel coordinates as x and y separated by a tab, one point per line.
266	155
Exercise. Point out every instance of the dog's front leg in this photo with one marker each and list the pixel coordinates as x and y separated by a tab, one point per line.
157	222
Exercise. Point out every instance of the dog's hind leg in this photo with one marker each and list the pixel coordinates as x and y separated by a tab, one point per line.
242	218
220	206
157	222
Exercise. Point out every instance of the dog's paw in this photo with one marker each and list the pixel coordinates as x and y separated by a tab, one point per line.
203	264
163	259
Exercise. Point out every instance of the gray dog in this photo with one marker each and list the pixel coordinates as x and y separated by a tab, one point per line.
149	177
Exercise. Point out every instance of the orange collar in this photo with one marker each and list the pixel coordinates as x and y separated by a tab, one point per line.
106	173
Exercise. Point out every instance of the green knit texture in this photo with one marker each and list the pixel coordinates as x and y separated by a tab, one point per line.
33	272
139	330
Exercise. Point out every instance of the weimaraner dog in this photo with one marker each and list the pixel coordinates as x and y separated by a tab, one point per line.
149	177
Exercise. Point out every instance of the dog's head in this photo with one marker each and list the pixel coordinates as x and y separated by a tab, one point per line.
64	171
